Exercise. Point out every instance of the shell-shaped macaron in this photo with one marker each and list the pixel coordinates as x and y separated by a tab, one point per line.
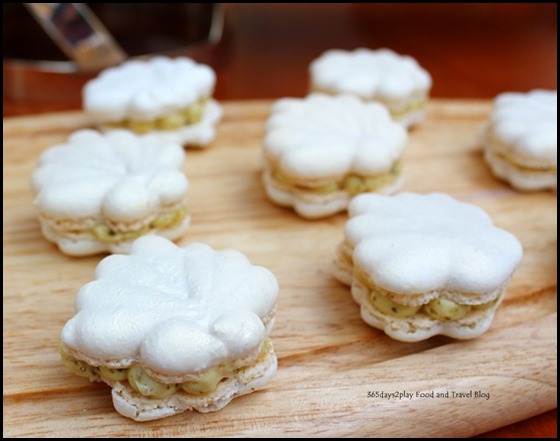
174	310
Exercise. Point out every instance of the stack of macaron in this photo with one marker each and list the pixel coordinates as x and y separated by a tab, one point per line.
322	150
422	265
521	139
381	75
99	192
169	97
167	335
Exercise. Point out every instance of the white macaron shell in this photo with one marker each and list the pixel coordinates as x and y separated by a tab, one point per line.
322	136
526	123
413	244
370	74
146	90
175	310
117	175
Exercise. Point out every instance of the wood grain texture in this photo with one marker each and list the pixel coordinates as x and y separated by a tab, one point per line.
328	358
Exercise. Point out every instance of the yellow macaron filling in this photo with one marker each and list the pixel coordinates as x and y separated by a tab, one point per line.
353	184
165	220
414	106
188	115
203	383
440	308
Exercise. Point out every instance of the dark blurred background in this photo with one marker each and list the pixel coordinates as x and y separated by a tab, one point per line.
471	50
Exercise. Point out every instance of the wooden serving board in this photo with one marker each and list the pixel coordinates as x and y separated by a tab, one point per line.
333	368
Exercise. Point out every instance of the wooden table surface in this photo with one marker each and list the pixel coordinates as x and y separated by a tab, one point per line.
328	358
472	51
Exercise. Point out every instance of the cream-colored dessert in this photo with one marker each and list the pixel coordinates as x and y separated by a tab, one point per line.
167	335
422	265
322	150
99	192
382	75
521	139
168	97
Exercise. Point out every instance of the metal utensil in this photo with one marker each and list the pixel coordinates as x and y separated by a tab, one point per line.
78	33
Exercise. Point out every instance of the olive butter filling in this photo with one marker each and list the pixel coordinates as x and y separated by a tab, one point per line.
412	107
439	309
206	381
352	184
191	114
165	220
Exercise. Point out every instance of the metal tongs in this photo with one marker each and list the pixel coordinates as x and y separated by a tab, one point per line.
79	34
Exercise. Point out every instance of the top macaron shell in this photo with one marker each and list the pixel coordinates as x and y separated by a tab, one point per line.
526	124
175	310
323	136
413	244
117	175
146	90
370	74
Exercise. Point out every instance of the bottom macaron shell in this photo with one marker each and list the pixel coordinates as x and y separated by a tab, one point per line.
421	327
525	180
85	246
131	404
314	206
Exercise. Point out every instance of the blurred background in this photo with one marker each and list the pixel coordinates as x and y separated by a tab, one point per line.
263	50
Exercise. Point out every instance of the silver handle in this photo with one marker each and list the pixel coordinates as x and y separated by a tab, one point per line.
78	33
